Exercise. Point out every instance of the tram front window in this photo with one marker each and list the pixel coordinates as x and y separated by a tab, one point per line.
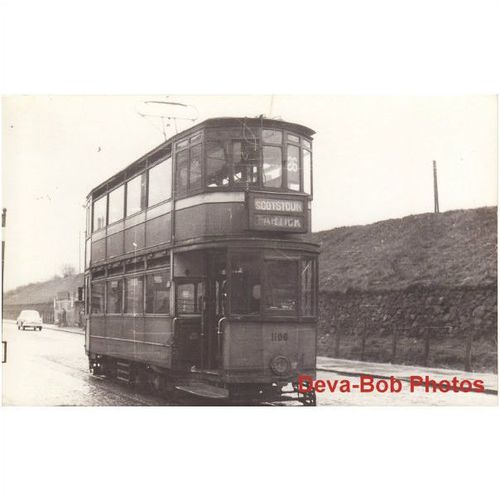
272	166
245	284
281	286
245	162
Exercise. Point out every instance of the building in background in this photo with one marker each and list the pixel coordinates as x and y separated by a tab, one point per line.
69	308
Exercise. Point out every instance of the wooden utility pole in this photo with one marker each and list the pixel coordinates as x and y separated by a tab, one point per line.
436	194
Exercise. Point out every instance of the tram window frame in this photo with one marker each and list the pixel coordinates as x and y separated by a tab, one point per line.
88	249
121	287
142	178
267	142
225	164
289	145
260	257
256	162
187	148
88	228
93	285
266	286
166	163
200	181
127	279
148	276
198	284
185	166
310	170
282	181
313	287
105	219
251	312
119	202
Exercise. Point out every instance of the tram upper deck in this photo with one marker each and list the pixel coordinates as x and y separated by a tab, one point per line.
223	178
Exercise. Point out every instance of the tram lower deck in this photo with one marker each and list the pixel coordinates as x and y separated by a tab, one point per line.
235	318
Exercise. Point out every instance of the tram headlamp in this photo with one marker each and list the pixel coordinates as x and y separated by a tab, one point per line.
280	365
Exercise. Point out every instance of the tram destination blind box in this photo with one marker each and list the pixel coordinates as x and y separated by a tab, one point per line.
277	213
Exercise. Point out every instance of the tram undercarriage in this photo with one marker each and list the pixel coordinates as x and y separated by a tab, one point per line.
202	385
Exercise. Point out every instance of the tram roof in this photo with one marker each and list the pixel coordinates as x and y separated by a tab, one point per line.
260	121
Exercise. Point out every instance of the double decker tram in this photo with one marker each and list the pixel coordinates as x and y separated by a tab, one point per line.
198	274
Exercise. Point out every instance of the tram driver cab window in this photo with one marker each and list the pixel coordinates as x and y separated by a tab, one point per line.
245	284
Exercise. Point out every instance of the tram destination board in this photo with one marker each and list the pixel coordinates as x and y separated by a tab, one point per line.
271	212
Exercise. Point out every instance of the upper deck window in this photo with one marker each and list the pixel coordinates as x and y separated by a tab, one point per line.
135	194
188	170
272	167
217	165
272	136
195	138
181	169
99	212
89	219
245	162
160	182
307	168
195	168
293	138
116	204
293	167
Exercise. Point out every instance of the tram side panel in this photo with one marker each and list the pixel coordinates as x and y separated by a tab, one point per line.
141	339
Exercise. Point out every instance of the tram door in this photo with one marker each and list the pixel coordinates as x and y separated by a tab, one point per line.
213	309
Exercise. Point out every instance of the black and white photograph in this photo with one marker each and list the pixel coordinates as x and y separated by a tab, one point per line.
250	250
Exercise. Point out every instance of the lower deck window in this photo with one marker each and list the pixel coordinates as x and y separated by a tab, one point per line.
114	296
190	298
157	293
97	291
134	296
281	286
307	280
245	284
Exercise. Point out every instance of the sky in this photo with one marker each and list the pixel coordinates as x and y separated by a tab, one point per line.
372	159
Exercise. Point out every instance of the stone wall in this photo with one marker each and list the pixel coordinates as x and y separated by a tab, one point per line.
441	327
46	310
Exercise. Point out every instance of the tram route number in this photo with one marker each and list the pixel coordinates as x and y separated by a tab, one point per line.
279	337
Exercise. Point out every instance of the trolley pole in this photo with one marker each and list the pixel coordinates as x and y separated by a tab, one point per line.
436	194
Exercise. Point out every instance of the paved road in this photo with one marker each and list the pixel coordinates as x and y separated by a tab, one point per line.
49	368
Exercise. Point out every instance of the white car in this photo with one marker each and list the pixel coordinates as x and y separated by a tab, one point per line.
29	319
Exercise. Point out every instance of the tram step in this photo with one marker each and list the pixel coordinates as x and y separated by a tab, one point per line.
204	390
123	371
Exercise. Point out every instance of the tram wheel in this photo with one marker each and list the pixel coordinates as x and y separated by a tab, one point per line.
309	399
157	382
